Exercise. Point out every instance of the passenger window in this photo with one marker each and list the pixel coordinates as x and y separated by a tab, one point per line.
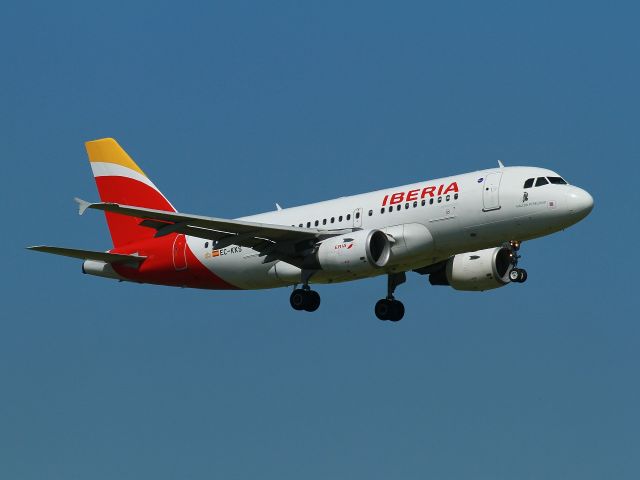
406	205
308	224
316	223
448	198
557	180
529	183
357	214
333	219
370	212
431	201
340	218
424	202
390	209
348	217
382	210
300	225
206	244
398	207
455	196
415	204
541	181
324	222
439	199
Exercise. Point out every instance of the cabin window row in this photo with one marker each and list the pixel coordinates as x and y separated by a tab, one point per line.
316	223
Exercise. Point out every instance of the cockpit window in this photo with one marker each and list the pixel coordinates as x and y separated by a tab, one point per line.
541	181
529	183
557	180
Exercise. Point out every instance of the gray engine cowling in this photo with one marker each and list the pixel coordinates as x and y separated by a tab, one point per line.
476	271
356	252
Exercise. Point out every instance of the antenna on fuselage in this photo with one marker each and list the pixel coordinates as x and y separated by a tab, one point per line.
500	164
278	206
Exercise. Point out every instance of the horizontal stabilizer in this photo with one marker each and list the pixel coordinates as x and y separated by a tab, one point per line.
90	254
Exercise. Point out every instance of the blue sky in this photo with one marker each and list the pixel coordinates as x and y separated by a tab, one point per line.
232	107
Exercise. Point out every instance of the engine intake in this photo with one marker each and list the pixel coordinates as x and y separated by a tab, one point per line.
476	271
356	252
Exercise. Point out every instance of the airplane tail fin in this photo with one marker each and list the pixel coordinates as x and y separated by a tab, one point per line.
120	180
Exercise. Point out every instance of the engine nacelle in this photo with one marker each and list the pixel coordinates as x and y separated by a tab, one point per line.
355	252
476	271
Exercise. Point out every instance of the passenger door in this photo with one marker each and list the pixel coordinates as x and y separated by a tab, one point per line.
180	252
491	192
357	218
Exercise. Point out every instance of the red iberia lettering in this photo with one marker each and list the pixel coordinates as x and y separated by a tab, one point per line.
427	191
451	188
412	195
397	198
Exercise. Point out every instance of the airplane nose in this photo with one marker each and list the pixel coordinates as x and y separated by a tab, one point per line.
580	202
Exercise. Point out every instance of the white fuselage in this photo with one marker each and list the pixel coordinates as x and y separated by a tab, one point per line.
426	222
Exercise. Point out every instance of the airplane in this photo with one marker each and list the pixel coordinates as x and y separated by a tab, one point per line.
464	231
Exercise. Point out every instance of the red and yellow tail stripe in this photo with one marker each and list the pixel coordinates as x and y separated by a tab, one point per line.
120	180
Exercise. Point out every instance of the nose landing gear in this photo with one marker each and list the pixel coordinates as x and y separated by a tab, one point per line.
389	308
516	275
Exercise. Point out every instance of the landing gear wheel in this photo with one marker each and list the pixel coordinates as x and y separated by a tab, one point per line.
383	309
386	309
523	276
518	275
297	299
397	309
312	301
305	300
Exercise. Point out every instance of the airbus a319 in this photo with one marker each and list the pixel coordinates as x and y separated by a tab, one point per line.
463	231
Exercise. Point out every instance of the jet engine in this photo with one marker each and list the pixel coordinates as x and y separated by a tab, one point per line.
476	271
355	252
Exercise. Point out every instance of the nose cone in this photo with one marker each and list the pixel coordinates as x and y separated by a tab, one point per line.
580	202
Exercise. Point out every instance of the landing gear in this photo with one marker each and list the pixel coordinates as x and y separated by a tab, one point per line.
518	275
305	299
389	308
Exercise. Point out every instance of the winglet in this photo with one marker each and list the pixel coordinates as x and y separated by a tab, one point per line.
82	205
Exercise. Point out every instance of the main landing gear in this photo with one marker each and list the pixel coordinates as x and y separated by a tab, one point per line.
389	308
516	275
305	299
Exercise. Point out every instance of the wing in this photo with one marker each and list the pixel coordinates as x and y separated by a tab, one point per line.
134	260
273	241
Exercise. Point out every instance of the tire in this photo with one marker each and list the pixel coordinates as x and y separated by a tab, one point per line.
397	311
383	309
523	276
514	275
297	299
312	301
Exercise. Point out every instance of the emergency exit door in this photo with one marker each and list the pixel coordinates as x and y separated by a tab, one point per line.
491	192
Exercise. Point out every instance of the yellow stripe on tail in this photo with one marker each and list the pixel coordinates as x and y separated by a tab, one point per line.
107	150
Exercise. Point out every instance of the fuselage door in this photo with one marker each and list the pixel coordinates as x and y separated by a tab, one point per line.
357	218
491	192
180	252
